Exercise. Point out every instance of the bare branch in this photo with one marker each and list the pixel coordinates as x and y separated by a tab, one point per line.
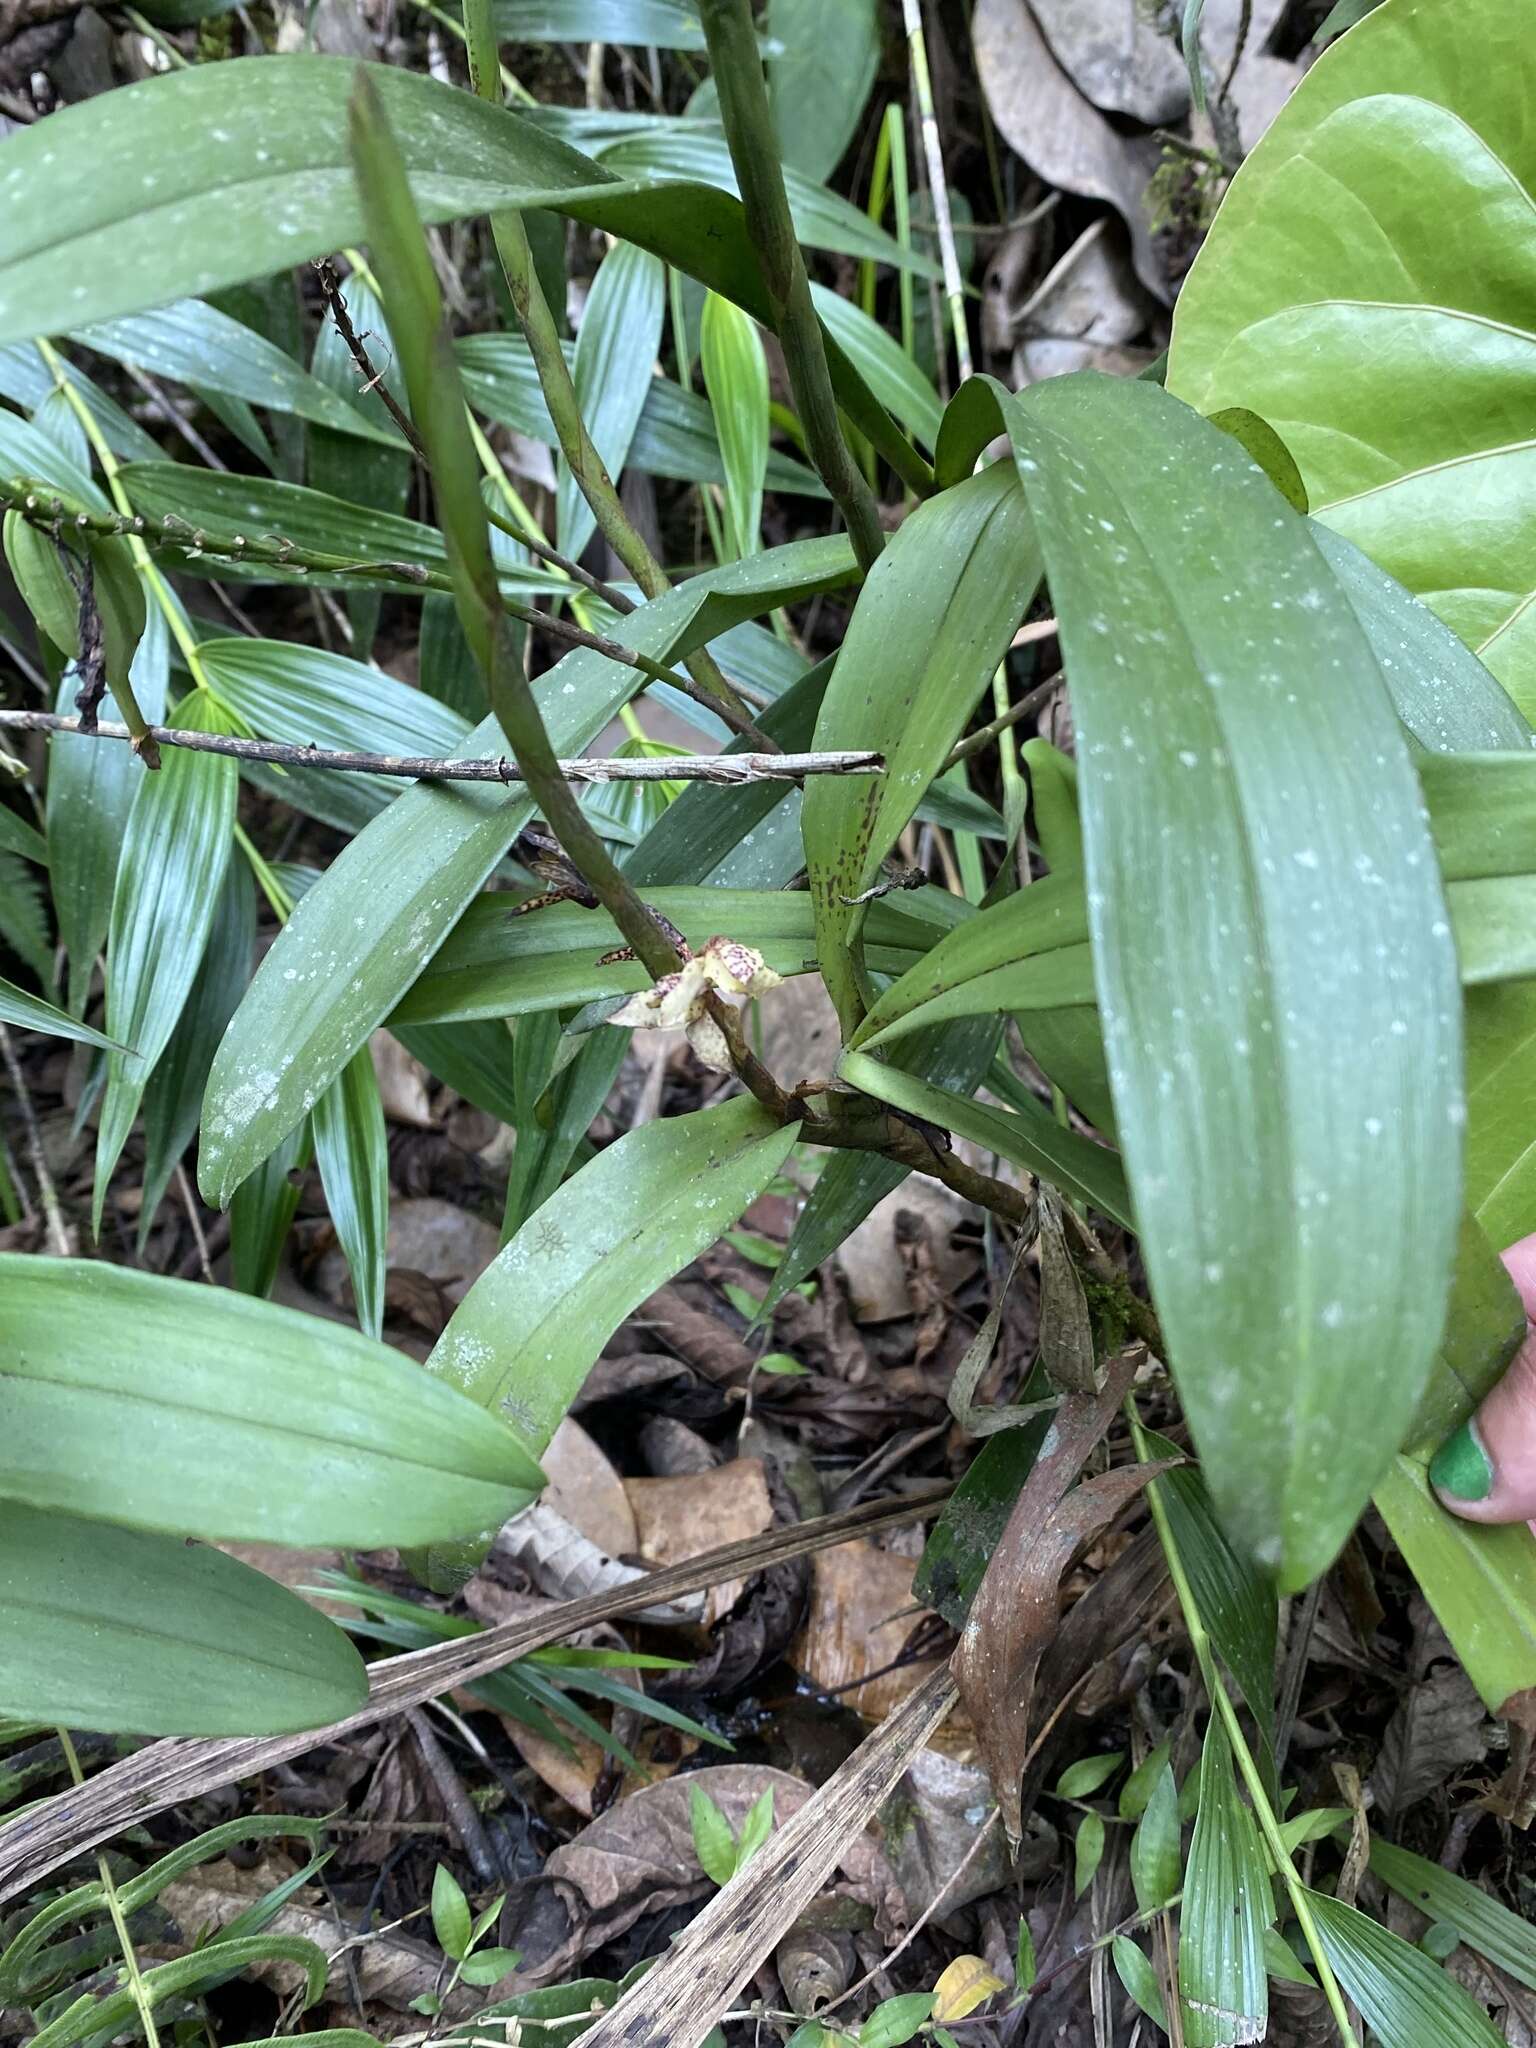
719	768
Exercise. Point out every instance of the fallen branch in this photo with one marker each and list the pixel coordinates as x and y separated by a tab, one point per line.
728	768
678	2003
167	1773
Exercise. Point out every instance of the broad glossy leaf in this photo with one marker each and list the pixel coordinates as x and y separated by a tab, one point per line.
1031	1138
616	348
1406	1999
1394	358
1494	927
1280	1005
286	691
674	437
1507	1941
352	1151
241	169
1482	812
419	864
1028	952
175	851
820	76
497	964
1138	1977
736	378
1154	1858
1501	1144
931	624
1223	1984
203	1412
175	1091
340	537
31	1013
525	1336
28	380
192	343
143	1634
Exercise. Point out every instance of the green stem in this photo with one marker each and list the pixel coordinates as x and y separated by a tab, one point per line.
744	113
1253	1778
136	1986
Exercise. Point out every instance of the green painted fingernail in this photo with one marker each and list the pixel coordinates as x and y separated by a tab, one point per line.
1461	1468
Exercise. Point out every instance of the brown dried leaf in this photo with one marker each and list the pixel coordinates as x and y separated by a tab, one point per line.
1014	1616
1066	1328
1061	136
681	1518
404	1083
860	1619
586	1488
1439	1726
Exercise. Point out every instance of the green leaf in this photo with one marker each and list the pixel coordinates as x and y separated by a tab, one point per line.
1088	1853
1403	1996
1028	952
262	1212
1482	812
191	343
419	864
175	851
450	1914
1138	1788
144	1634
819	77
1139	1979
1258	1053
931	624
553	1111
1442	692
173	1097
490	1965
1030	1137
474	1059
23	919
1393	358
755	1829
674	436
616	348
736	378
1082	1779
1236	1601
31	1013
499	965
352	1150
525	1336
251	174
713	1842
1228	1906
1502	1937
338	538
960	1547
91	788
896	2020
1024	1957
1155	1859
202	1412
43	584
17	836
306	695
886	368
657	24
